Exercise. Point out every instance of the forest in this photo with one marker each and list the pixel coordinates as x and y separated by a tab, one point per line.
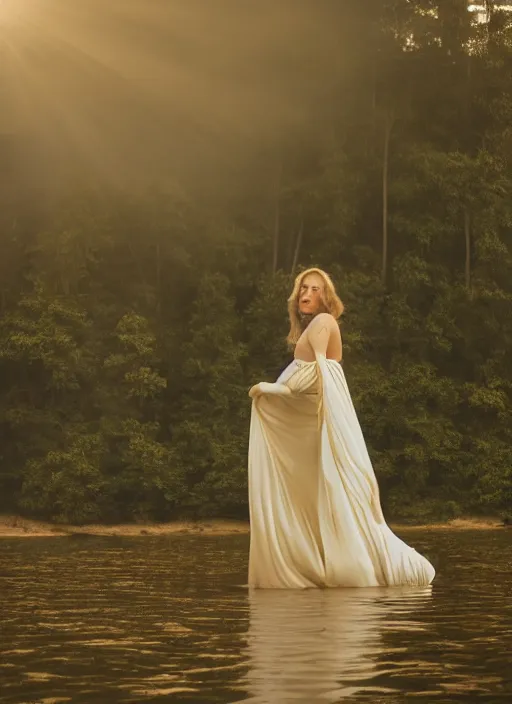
140	302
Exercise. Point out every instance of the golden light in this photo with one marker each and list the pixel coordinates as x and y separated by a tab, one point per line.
123	86
11	11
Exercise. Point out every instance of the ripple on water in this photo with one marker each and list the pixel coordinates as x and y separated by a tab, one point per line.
132	620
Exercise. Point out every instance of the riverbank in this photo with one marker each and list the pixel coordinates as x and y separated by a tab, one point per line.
16	526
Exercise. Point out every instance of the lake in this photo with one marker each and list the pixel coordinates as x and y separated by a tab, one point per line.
169	619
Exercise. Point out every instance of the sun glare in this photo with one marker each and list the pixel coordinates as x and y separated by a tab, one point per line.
10	11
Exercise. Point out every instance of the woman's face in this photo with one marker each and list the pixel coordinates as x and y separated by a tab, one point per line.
310	294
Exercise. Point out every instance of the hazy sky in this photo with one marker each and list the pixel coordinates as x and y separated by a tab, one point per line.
127	88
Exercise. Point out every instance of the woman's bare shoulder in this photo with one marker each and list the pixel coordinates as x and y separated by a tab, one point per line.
323	320
324	326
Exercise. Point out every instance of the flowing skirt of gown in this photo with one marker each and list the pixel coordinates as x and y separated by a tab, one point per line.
315	512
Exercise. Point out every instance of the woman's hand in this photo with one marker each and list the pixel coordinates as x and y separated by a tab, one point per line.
265	387
255	391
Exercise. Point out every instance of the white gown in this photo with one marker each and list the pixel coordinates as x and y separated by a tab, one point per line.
315	512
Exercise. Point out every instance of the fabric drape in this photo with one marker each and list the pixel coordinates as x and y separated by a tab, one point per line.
316	519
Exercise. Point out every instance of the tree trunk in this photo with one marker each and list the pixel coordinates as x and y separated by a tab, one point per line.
298	244
276	236
385	189
158	256
277	219
467	236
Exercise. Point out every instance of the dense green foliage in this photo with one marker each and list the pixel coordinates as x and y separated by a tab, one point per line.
133	323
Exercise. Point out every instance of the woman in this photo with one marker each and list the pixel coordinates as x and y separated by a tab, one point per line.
316	519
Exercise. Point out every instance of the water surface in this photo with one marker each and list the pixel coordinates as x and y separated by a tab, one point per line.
168	619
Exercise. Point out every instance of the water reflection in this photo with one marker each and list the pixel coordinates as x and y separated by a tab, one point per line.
320	646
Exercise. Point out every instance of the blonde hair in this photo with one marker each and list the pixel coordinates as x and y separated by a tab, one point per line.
330	300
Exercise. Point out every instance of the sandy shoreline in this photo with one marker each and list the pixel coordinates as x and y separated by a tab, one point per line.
16	526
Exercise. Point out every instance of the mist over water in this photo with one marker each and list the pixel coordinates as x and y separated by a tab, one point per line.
139	90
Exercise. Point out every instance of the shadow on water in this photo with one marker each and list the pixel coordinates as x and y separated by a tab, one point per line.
168	618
